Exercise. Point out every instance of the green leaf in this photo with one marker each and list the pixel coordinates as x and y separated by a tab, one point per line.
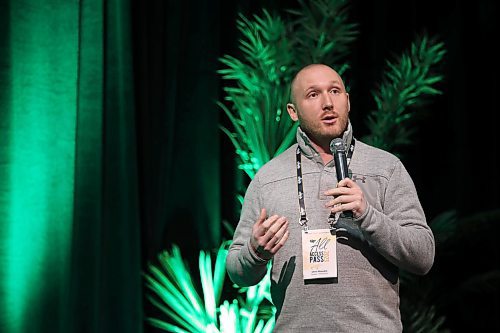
408	83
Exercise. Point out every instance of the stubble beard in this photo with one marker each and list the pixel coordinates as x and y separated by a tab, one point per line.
322	134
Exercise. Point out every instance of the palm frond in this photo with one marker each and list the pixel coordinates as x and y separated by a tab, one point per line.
175	296
407	84
444	226
423	319
258	84
322	32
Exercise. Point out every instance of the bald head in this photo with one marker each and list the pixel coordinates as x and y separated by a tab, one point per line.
320	104
301	80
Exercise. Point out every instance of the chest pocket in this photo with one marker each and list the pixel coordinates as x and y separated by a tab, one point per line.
373	188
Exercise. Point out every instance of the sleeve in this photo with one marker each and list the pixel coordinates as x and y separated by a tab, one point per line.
400	233
243	265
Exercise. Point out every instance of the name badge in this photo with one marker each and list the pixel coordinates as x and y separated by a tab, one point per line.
319	254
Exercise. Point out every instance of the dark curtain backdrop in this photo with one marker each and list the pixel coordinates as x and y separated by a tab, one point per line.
110	149
69	211
176	45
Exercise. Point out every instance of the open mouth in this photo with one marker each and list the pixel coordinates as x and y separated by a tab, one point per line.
329	120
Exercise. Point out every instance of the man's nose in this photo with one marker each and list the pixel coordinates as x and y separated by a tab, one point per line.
327	102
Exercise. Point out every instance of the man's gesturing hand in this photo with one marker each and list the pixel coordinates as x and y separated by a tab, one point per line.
269	235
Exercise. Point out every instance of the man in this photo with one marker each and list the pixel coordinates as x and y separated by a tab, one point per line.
344	279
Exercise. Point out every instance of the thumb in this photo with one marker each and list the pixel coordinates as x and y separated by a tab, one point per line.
262	216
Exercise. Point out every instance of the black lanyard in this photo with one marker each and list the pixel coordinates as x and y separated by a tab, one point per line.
303	217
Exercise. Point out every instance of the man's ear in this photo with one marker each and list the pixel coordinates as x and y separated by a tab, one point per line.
292	111
348	103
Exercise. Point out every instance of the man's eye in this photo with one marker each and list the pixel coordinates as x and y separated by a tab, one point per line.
313	94
335	91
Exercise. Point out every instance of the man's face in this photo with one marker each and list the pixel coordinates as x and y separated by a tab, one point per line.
321	104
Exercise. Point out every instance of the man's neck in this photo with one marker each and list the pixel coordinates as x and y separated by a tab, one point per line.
323	150
326	157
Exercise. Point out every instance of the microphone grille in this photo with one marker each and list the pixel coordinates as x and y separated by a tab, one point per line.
336	145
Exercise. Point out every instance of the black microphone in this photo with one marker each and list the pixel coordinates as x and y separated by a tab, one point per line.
337	147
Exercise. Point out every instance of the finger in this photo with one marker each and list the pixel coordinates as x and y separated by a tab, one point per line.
262	216
337	208
258	230
273	229
279	234
343	199
344	207
281	242
330	203
276	232
276	225
347	182
269	222
337	191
